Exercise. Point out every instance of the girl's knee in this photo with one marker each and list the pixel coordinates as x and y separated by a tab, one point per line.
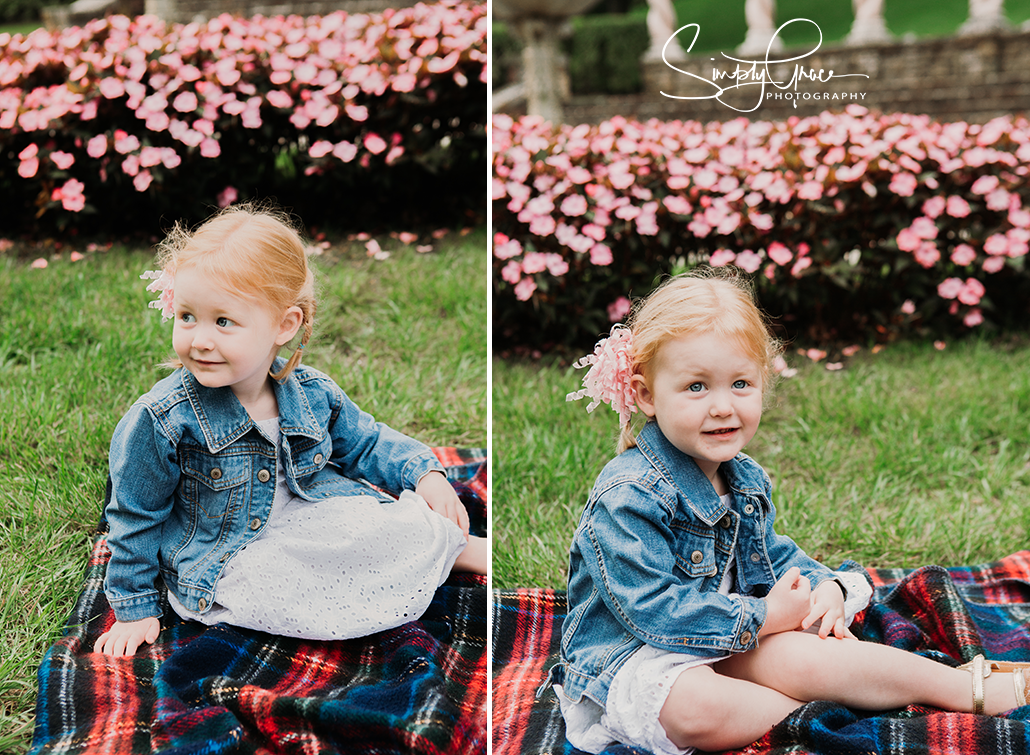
692	715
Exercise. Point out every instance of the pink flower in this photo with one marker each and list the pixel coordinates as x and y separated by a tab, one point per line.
507	249
909	307
722	257
39	263
850	351
957	207
997	244
321	148
933	207
278	98
908	240
574	205
542	225
407	238
973	318
940	345
97	146
375	144
70	195
594	231
677	205
963	254
534	262
927	254
924	228
512	272
903	184
556	264
984	184
524	289
210	147
993	264
76	256
950	288
185	102
816	355
600	255
779	254
63	160
618	309
227	196
142	180
802	264
749	261
27	167
834	366
812	190
972	292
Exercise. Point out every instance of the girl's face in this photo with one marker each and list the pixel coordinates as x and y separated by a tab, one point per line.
706	396
225	339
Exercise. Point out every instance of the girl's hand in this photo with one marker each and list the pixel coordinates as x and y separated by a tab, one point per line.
442	499
787	603
125	636
828	605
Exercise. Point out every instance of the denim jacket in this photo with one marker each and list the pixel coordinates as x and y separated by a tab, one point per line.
649	554
193	478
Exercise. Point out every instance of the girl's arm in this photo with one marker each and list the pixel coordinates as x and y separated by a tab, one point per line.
369	450
144	475
626	542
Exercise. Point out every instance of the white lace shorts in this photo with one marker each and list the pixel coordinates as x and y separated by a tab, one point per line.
635	699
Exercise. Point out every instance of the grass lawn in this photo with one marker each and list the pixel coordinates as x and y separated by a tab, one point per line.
405	337
723	28
911	456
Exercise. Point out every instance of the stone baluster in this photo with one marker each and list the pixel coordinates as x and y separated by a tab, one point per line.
984	16
869	25
661	24
759	15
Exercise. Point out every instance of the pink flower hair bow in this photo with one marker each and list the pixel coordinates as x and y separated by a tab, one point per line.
162	285
608	379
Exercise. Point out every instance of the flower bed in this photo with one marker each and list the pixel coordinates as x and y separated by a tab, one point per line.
129	116
855	225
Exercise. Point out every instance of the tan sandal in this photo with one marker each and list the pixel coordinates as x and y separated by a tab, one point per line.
981	668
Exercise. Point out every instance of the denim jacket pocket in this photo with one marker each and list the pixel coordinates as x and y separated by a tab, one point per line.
694	548
213	483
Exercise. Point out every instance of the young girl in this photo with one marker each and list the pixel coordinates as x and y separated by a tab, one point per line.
684	603
241	480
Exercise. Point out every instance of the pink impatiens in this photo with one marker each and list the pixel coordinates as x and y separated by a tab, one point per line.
846	200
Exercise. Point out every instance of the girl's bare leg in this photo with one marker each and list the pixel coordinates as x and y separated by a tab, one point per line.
714	712
862	675
475	558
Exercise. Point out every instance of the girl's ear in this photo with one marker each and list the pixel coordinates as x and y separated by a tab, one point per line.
289	326
642	394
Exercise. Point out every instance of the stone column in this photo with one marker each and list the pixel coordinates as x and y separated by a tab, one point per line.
661	24
542	69
869	25
984	16
761	27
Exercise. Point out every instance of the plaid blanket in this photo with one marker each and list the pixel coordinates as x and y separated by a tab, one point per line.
947	614
420	688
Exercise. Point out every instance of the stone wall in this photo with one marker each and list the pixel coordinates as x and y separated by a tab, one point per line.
973	78
184	11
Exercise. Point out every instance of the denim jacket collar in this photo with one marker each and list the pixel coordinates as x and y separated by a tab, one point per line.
684	472
223	419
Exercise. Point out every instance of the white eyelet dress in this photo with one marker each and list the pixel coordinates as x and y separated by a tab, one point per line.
335	568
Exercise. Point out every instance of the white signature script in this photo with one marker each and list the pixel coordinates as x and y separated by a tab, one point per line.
756	72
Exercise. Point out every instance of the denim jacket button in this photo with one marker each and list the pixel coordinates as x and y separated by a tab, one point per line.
255	523
749	509
263	475
201	604
318	458
755	558
216	474
697	557
725	522
745	639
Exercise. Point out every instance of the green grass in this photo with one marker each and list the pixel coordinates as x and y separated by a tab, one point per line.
723	29
912	456
405	337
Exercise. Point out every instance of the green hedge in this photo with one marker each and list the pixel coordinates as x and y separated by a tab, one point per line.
12	11
604	53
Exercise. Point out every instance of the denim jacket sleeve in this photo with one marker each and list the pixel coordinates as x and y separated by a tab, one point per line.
369	450
784	553
628	543
144	474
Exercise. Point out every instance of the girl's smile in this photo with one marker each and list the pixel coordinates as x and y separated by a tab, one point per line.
706	395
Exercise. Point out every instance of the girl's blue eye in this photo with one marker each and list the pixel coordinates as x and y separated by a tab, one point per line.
186	317
740	385
696	387
224	322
